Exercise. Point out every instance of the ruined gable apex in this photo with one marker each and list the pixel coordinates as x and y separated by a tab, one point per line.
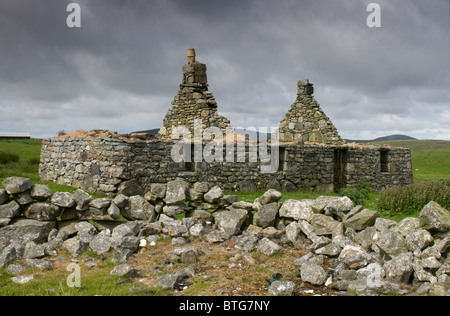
306	122
194	101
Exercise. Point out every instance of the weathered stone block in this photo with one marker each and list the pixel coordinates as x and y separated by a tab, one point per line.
42	211
41	192
63	199
10	210
435	218
266	215
139	209
298	210
14	185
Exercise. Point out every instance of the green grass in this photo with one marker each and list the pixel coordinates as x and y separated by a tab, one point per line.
430	158
26	148
431	170
27	164
433	165
8	157
94	281
417	145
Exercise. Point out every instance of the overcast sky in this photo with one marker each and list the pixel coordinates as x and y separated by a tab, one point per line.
122	68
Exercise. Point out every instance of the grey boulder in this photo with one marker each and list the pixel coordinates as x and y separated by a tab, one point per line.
100	244
82	199
14	185
124	270
63	199
4	196
419	239
42	211
400	268
230	222
270	196
41	192
10	210
298	210
213	195
391	242
282	288
139	209
177	191
435	218
313	273
361	220
268	247
266	215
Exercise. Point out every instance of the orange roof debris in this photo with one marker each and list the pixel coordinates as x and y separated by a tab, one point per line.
103	133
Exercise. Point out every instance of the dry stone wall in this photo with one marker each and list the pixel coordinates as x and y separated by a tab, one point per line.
350	249
110	164
382	167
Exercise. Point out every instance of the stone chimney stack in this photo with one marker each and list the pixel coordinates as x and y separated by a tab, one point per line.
194	72
193	101
191	55
305	88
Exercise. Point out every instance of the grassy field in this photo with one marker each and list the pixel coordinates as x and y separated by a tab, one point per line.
28	152
431	158
96	280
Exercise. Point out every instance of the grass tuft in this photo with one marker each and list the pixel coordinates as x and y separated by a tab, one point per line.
8	157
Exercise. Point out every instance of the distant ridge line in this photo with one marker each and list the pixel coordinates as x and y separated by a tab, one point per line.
384	138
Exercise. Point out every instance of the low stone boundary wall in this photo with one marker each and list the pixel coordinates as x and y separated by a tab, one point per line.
364	254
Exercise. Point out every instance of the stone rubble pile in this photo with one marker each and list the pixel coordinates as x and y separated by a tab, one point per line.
350	248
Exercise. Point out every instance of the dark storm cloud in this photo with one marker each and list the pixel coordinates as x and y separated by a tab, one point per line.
33	56
121	69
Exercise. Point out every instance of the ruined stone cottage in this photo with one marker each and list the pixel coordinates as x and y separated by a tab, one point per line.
310	153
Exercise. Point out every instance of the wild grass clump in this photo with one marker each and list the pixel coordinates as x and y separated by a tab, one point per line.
7	157
18	167
412	198
358	195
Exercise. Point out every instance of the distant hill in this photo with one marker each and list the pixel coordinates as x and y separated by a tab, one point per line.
384	138
395	137
421	145
149	131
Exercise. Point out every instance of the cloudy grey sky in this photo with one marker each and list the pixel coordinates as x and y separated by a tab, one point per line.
121	69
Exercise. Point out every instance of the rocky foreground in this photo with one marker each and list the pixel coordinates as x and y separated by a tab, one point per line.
343	247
